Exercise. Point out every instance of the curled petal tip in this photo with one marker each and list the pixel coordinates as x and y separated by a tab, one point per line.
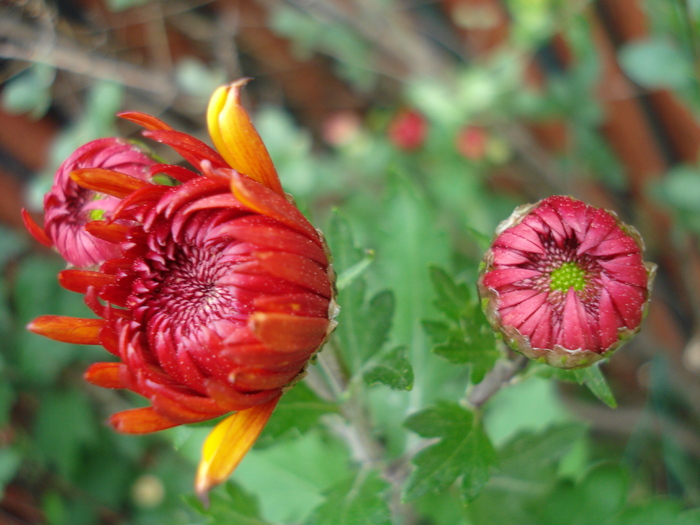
37	231
236	138
228	443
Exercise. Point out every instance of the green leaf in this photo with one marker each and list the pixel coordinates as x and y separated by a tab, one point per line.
392	369
463	450
358	500
64	426
594	379
380	313
452	298
656	63
10	460
234	506
297	412
436	330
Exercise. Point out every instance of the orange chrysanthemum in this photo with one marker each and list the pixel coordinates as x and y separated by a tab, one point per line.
221	292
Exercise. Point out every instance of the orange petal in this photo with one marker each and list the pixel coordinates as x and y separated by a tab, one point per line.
37	231
226	445
68	329
106	181
106	375
142	119
140	421
236	139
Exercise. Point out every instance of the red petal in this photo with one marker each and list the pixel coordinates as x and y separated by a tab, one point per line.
80	280
265	201
302	304
231	399
617	246
68	329
178	173
142	119
191	149
541	316
297	270
515	297
37	231
106	375
269	234
288	333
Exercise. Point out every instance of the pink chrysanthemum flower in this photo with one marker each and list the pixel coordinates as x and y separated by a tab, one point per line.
565	282
68	207
221	293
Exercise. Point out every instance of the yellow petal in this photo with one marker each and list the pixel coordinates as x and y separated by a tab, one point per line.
236	139
230	440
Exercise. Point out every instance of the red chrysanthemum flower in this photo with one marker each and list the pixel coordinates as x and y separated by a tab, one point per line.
69	207
565	282
221	293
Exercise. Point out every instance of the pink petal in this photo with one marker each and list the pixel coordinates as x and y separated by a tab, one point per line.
542	335
600	226
627	299
550	217
617	246
627	269
538	318
608	319
497	278
507	257
514	297
518	314
512	241
574	328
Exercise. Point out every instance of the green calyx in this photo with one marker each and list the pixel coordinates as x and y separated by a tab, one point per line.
568	275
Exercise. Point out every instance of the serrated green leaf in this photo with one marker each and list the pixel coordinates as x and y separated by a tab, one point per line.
464	450
392	369
485	457
355	501
594	379
442	419
480	358
437	331
297	412
452	298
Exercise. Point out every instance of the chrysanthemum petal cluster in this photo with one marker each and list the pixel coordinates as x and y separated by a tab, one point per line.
565	282
216	291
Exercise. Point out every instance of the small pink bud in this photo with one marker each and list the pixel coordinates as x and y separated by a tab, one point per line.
564	282
472	142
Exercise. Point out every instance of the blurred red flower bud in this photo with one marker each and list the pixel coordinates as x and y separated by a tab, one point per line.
408	130
471	142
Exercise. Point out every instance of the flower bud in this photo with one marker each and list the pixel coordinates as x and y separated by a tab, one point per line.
564	282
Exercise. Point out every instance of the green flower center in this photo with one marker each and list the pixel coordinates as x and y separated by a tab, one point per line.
566	276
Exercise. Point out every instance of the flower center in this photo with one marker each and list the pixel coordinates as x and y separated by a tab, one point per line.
568	275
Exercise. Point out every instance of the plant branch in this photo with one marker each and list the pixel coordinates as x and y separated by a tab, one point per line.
499	376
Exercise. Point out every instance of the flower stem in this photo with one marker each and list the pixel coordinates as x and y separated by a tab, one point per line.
498	377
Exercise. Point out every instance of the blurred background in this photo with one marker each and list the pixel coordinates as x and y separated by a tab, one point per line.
424	123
